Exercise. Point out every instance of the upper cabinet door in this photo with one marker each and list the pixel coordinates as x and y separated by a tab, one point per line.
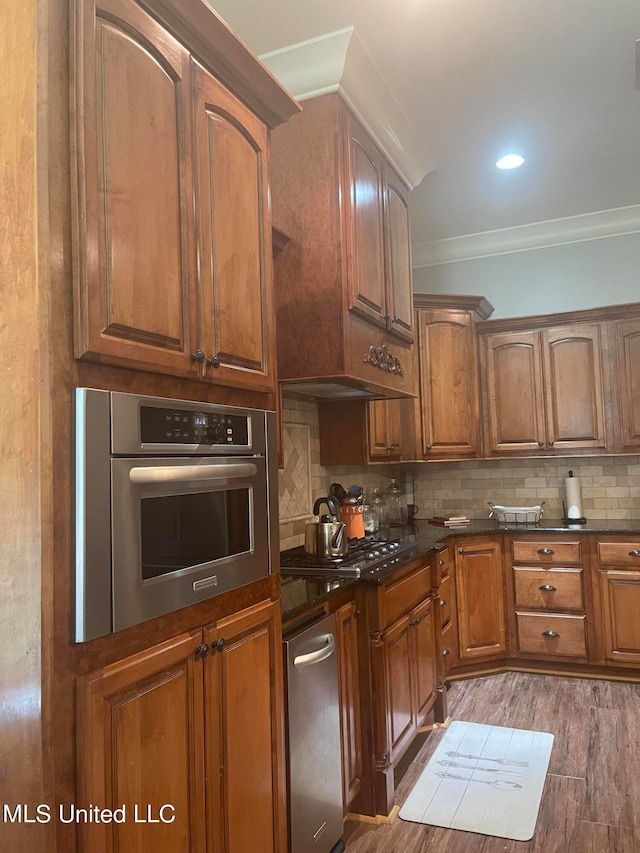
511	370
627	341
573	367
448	384
398	256
365	235
233	237
131	190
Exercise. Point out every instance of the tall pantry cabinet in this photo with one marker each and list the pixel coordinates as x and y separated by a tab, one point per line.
150	239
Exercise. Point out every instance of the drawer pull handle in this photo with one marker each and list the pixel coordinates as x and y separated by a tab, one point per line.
546	552
552	634
546	587
634	553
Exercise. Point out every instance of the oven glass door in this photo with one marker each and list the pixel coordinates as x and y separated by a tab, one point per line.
184	530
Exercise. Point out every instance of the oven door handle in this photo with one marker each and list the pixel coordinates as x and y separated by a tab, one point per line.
189	473
317	656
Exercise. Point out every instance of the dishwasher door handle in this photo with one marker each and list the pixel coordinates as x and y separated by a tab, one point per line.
319	655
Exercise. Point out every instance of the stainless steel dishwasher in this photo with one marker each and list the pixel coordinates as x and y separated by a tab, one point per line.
314	752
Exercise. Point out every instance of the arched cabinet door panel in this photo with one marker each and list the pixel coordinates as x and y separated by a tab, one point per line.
233	233
131	191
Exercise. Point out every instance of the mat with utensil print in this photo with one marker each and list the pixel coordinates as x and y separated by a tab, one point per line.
485	779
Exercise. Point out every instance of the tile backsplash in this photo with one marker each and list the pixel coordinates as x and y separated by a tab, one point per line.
610	484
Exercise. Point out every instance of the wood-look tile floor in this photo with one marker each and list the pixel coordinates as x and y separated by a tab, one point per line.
591	798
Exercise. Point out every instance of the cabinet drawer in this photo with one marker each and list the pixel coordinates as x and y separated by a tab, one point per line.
569	631
400	596
554	589
620	553
541	551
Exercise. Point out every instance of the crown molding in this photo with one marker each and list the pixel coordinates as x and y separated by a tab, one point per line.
339	62
599	225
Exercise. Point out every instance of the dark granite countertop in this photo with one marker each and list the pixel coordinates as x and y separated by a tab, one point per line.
300	595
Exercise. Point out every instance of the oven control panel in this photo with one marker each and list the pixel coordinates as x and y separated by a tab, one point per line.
160	425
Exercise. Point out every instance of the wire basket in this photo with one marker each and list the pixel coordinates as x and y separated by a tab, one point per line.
516	514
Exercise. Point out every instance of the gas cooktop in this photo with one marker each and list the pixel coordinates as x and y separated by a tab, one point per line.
366	556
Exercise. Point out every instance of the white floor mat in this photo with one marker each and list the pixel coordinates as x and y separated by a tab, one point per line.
486	779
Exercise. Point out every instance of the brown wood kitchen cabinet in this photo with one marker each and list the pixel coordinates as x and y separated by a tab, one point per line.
357	432
549	595
558	378
162	284
448	414
480	598
625	348
343	289
196	723
350	718
616	575
402	691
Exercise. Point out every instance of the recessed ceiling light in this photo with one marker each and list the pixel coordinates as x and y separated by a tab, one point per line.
510	161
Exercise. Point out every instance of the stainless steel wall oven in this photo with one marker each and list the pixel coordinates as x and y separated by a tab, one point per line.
176	501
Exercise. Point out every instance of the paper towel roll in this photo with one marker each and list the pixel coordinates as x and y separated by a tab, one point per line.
574	497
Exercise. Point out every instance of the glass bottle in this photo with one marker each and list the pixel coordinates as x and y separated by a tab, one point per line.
370	519
393	496
379	507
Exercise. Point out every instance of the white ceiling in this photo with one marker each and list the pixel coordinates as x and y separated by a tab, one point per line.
552	79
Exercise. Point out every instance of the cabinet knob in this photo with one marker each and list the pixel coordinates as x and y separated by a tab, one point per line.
546	587
541	444
546	552
634	553
429	447
387	317
198	356
552	634
214	361
396	319
202	651
218	646
442	562
445	652
442	602
551	443
461	551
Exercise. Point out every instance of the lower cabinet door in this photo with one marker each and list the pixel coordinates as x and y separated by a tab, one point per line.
480	591
621	606
351	732
400	706
424	654
141	750
244	723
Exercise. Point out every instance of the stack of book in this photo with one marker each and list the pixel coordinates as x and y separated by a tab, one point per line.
449	520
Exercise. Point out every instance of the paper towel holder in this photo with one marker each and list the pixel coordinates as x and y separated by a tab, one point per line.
569	521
